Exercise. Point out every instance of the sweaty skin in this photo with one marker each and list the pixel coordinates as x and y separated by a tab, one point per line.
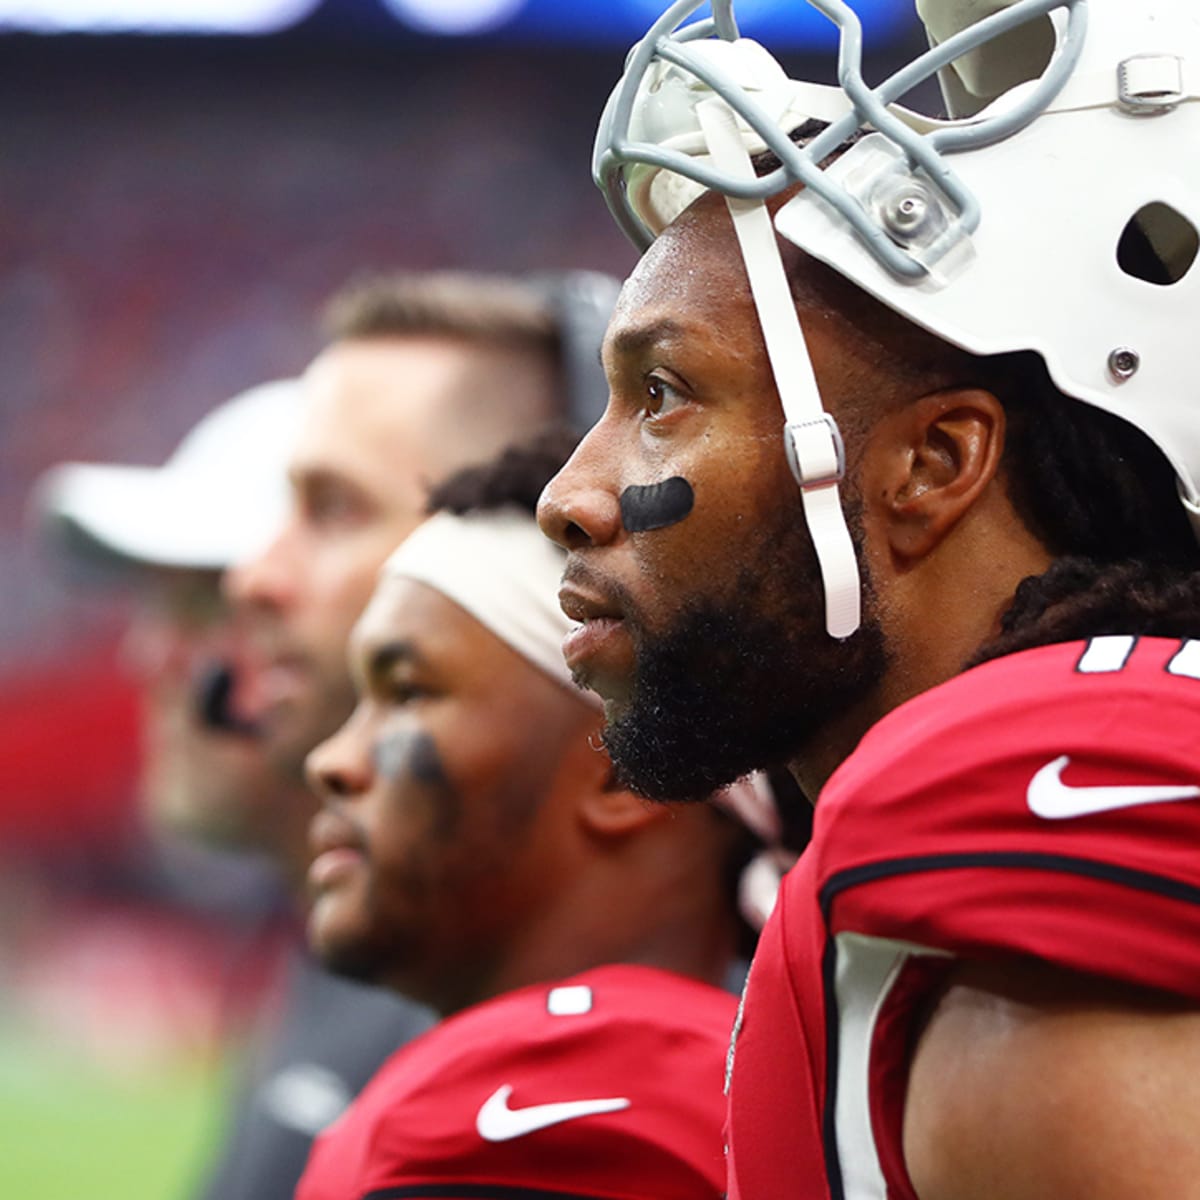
656	505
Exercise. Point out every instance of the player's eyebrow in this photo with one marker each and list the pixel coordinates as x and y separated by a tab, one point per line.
387	655
630	339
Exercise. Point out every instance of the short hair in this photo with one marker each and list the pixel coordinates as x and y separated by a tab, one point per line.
478	307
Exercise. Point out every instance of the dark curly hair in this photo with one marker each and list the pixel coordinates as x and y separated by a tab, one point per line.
1103	499
516	476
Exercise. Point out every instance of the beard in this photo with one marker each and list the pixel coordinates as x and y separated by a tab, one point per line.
744	681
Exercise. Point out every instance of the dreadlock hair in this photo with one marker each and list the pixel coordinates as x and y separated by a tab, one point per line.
1102	498
1095	490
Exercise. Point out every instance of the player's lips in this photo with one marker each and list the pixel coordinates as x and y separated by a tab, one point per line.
599	650
337	850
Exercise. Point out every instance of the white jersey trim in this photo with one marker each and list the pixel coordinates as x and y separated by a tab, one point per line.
866	971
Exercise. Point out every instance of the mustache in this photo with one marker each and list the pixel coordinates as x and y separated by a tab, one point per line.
333	827
578	573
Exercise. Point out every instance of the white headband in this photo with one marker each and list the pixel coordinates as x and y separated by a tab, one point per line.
501	569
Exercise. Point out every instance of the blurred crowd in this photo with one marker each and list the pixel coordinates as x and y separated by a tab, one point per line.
175	245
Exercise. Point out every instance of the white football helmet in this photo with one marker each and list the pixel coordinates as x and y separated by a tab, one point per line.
1074	127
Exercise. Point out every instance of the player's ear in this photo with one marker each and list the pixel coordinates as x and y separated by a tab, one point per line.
614	812
605	809
927	464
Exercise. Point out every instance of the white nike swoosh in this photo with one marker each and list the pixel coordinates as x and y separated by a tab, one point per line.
497	1122
1054	800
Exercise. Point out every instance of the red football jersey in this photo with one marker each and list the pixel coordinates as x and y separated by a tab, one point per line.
1044	805
606	1085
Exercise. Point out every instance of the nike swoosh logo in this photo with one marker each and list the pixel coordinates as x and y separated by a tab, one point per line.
1054	800
497	1122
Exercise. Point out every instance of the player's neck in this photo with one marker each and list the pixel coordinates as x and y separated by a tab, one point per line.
818	758
670	924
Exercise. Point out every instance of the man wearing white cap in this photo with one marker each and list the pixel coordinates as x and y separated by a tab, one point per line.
169	532
473	851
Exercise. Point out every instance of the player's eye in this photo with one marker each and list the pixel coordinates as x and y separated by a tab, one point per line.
399	692
662	396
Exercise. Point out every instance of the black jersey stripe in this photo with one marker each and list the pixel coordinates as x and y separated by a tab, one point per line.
472	1191
1161	885
1145	881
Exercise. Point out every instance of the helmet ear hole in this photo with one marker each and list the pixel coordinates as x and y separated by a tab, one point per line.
1158	245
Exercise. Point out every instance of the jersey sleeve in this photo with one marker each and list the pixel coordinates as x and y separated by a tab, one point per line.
1032	808
607	1086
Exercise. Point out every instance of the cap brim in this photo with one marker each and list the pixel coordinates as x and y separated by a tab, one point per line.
147	515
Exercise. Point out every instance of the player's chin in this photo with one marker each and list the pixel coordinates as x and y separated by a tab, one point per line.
610	688
338	937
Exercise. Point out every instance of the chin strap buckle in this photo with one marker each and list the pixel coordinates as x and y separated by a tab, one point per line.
815	451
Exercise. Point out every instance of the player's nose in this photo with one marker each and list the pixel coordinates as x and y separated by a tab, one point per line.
267	580
579	506
340	768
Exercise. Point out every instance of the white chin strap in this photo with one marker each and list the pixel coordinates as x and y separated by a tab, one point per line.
813	443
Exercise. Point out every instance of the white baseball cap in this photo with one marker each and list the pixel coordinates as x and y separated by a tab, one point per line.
217	500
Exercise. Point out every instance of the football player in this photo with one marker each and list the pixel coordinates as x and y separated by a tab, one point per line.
473	852
892	397
421	374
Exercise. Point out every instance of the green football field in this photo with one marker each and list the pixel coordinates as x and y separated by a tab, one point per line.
75	1129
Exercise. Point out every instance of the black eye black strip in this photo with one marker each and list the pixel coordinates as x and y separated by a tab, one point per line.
656	505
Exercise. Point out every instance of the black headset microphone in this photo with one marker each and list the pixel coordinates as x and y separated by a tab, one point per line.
214	687
582	303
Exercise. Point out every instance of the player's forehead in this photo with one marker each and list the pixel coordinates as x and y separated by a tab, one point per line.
362	442
689	283
405	613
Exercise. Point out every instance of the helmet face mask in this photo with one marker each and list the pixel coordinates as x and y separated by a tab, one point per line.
1003	228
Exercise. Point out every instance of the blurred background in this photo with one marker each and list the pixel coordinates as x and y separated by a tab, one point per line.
182	182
